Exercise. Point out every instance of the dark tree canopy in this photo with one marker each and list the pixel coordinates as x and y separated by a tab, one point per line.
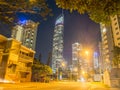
98	10
9	8
40	70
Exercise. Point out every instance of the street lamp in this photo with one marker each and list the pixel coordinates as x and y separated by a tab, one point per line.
87	53
63	65
83	72
59	70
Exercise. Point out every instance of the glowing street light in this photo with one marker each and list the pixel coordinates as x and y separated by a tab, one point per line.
63	64
59	70
87	53
83	72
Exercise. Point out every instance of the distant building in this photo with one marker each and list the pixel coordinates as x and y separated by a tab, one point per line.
57	50
76	48
76	58
15	60
26	33
96	61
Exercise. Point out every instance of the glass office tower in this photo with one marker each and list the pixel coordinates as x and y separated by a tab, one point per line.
57	51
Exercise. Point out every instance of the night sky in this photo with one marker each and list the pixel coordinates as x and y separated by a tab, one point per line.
77	28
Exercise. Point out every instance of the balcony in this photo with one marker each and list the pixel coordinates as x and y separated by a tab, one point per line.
24	69
24	58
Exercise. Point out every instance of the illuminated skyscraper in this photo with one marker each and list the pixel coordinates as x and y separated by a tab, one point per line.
26	33
76	48
57	51
76	58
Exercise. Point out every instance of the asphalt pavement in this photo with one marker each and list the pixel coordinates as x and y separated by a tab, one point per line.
58	85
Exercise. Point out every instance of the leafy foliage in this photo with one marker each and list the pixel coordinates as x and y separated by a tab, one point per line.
9	8
116	54
98	10
40	71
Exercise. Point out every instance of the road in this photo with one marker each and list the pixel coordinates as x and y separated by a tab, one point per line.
55	86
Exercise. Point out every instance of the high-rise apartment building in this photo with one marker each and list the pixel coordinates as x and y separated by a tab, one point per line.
57	51
26	33
78	63
110	37
76	48
106	47
115	24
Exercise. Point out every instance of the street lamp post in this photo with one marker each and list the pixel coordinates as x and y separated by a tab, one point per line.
59	71
86	52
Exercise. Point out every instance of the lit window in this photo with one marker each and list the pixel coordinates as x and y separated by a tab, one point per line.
27	40
32	33
104	30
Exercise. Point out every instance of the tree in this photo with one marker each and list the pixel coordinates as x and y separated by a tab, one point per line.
40	72
98	10
9	8
116	56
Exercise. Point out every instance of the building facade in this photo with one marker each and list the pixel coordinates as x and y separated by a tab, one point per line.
115	24
57	51
106	47
76	58
26	33
96	62
110	37
16	60
76	48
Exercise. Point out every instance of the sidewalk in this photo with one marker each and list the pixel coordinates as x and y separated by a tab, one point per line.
100	86
115	89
